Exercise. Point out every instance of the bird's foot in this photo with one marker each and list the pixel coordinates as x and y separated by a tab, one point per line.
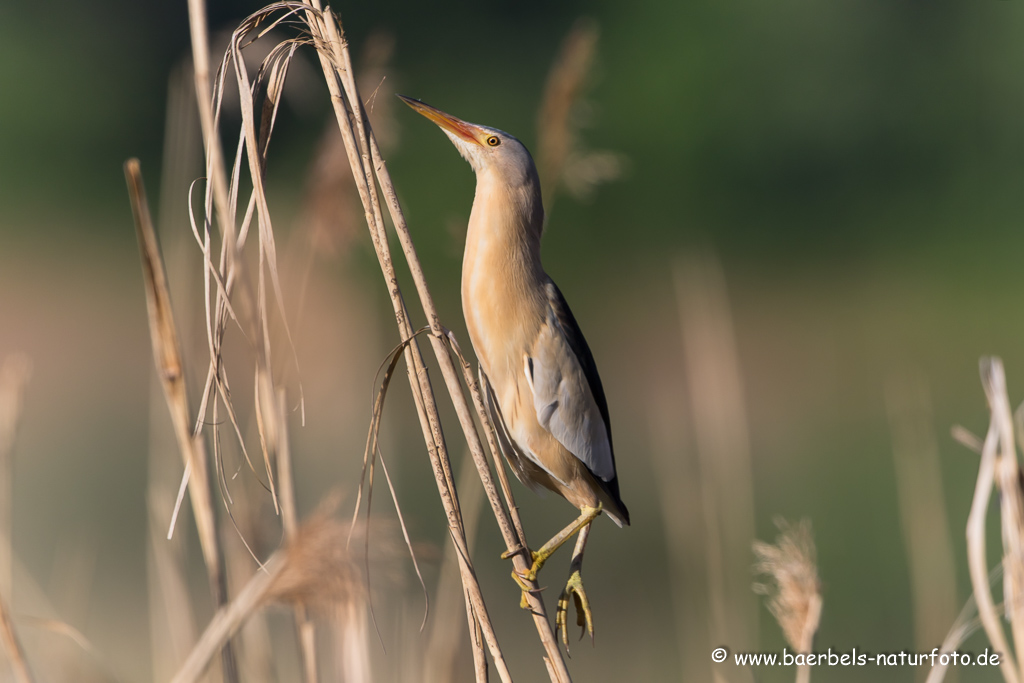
526	580
584	617
525	587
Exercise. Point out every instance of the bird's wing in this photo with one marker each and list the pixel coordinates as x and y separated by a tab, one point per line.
567	391
513	456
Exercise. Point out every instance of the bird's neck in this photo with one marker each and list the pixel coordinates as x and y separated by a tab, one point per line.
502	276
505	227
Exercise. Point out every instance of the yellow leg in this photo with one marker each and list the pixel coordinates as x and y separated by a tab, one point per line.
574	588
524	579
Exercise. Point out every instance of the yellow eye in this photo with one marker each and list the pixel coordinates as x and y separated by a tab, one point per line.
494	141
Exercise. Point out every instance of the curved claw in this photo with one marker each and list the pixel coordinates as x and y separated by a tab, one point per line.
584	617
530	574
521	581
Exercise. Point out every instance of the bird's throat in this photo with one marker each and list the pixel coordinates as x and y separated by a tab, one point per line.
502	276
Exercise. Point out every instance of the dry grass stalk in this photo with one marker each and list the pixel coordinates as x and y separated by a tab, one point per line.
794	596
337	65
445	628
228	619
172	627
290	521
922	509
167	354
966	439
719	421
367	168
998	449
966	623
679	487
14	376
12	646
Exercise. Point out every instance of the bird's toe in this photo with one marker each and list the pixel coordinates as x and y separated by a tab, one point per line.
584	617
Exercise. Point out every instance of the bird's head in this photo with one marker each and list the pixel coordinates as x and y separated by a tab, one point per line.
488	150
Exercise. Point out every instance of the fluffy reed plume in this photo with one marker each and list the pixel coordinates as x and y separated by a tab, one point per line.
562	158
314	568
793	591
319	570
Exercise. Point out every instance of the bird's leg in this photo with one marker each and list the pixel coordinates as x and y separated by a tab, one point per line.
587	515
574	587
524	579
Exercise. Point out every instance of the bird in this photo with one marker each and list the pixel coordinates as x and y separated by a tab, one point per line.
538	376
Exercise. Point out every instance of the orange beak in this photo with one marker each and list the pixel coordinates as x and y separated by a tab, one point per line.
446	121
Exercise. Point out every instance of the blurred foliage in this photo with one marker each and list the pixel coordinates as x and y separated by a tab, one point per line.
795	129
857	163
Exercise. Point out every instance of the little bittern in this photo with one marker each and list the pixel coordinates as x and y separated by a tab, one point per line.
540	381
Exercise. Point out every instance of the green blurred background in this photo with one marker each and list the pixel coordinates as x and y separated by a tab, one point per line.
856	166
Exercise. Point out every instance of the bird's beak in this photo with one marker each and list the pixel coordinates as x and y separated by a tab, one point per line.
447	122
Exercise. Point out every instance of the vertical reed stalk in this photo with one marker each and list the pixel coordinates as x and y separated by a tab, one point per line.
290	521
12	646
167	354
715	385
922	509
993	453
14	374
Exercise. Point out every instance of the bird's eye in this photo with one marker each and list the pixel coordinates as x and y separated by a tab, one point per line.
494	141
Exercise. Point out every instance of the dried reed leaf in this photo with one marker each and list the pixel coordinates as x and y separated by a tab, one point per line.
166	353
372	453
966	438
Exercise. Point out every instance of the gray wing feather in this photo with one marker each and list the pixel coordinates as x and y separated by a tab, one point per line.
563	399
